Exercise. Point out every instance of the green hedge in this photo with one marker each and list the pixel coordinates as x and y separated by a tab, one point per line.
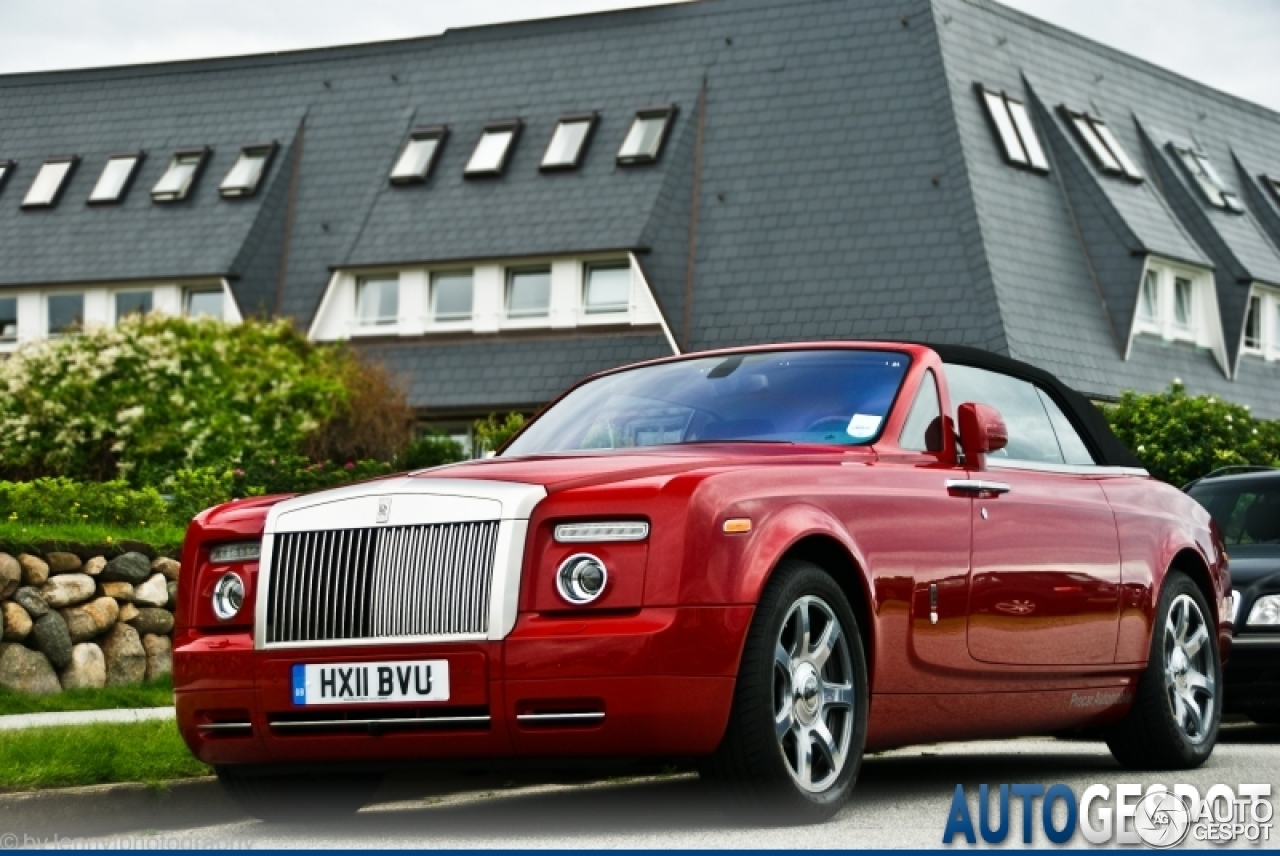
1180	437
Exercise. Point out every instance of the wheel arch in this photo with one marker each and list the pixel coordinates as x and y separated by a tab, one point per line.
1191	563
835	559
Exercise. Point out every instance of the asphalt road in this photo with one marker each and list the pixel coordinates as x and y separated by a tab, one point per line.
902	800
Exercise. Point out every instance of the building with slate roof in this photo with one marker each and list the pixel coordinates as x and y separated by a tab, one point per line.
496	212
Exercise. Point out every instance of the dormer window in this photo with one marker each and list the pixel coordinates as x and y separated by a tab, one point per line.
494	149
1262	324
569	142
378	301
115	179
180	176
1199	167
247	172
1176	303
1103	145
50	181
8	319
418	157
6	169
1012	125
1253	325
1272	184
647	136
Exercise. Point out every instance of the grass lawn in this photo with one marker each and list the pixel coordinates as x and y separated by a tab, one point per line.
157	693
67	756
25	537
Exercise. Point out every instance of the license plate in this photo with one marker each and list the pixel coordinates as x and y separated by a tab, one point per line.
371	683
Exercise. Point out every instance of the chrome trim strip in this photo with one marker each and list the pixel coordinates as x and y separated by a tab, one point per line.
1235	606
1066	469
404	720
598	716
1250	640
225	726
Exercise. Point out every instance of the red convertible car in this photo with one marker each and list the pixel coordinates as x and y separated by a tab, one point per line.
762	561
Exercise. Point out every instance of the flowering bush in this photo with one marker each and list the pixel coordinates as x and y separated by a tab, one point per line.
1180	437
155	395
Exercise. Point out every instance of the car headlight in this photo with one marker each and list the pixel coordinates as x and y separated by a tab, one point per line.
228	596
1265	612
581	579
245	551
616	530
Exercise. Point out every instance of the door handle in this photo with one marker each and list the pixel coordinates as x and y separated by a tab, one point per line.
976	486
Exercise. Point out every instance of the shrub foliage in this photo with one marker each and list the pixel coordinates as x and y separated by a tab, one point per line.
1180	437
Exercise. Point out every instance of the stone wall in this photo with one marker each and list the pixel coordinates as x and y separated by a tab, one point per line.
71	623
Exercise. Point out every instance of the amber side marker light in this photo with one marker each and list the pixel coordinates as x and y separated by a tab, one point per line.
737	526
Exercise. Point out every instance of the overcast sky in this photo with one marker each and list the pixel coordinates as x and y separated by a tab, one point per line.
1233	45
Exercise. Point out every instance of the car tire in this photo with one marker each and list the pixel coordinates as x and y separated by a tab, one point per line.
288	799
1177	705
798	724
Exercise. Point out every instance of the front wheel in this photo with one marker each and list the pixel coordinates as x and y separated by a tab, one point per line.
798	723
1173	724
286	799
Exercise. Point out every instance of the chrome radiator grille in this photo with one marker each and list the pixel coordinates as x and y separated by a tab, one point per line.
403	581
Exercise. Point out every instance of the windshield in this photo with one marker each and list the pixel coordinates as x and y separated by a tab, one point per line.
833	397
1247	511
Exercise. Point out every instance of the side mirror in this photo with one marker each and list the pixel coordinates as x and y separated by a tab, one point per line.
982	431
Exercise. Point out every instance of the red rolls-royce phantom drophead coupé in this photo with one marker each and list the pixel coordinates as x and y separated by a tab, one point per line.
761	561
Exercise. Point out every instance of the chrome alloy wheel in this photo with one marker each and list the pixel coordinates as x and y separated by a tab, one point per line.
1190	670
813	694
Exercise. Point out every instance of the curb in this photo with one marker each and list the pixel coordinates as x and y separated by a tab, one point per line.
85	717
37	818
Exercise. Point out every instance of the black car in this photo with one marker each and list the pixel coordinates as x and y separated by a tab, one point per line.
1245	501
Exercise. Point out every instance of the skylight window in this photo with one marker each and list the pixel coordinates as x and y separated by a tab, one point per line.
116	177
6	169
648	134
418	157
1201	170
569	142
180	176
247	172
1273	184
50	181
494	148
1102	144
1012	124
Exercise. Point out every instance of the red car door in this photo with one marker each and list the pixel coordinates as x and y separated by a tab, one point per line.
1045	567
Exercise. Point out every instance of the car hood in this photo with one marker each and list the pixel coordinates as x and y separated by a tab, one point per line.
584	469
1254	563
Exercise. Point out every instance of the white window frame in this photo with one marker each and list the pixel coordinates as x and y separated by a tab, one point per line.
1268	302
434	321
381	325
1205	327
17	318
335	319
116	292
610	311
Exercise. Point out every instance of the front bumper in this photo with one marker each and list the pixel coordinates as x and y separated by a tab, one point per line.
1251	681
653	683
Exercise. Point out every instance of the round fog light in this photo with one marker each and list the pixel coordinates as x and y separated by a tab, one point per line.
228	597
581	579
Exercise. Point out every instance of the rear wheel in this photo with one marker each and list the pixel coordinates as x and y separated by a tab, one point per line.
284	799
798	723
1173	724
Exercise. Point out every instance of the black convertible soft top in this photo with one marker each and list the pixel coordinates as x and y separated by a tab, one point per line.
1106	447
